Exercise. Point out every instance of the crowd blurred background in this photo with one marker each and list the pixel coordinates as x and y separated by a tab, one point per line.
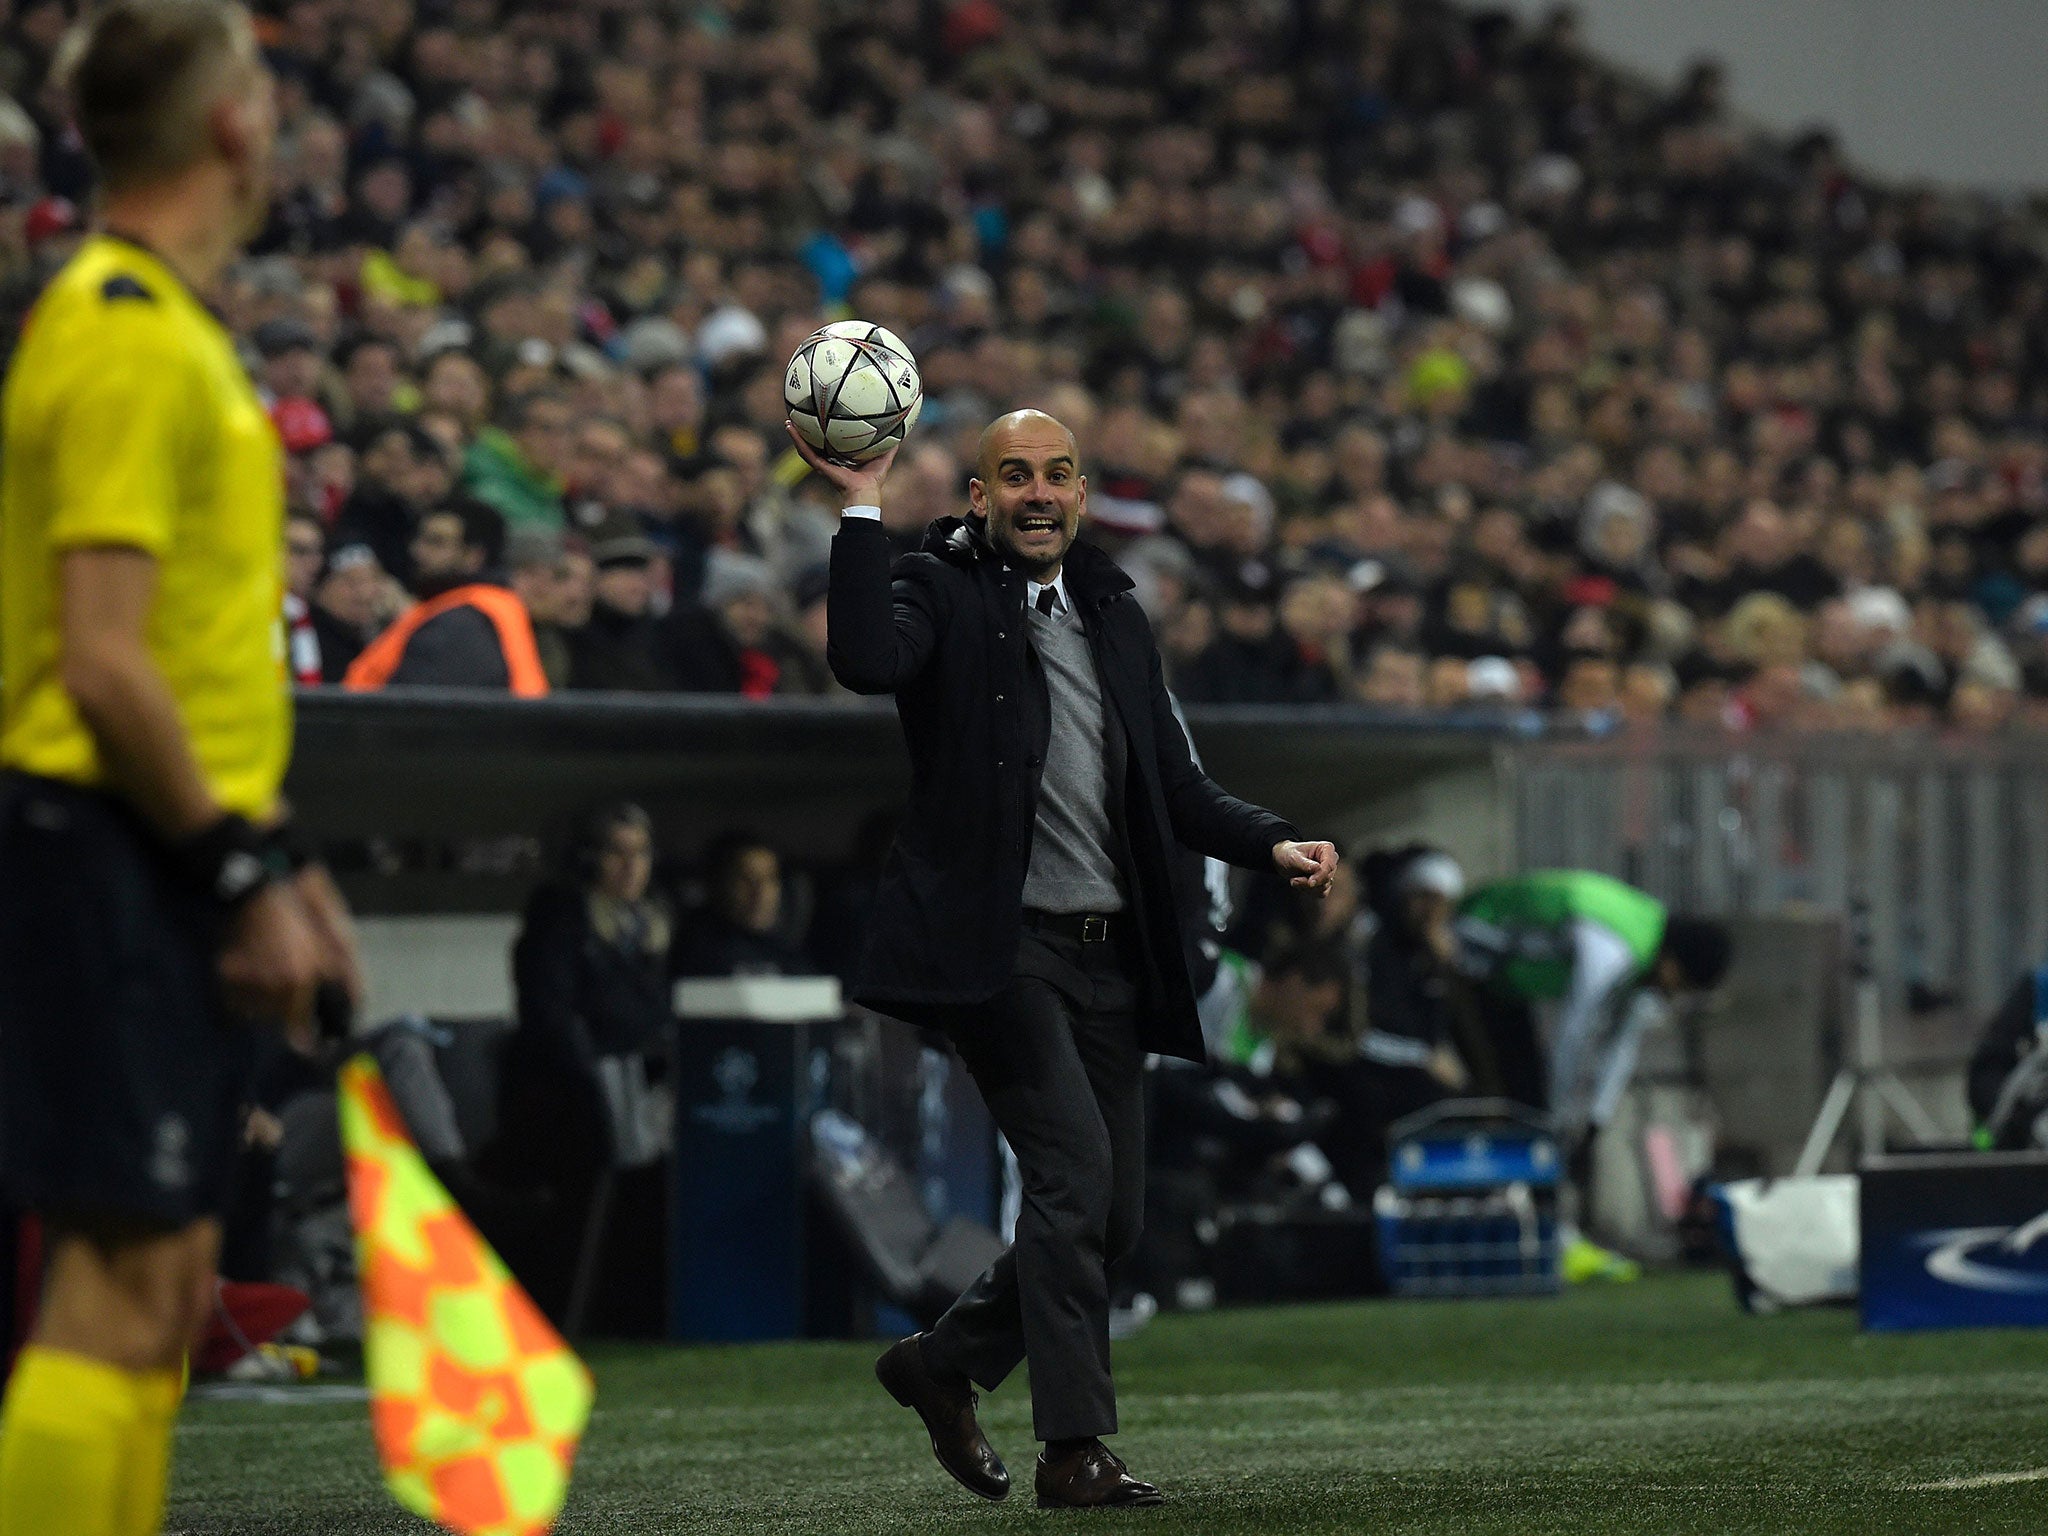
1417	358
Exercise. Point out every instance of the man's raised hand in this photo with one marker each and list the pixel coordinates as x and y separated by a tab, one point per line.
860	485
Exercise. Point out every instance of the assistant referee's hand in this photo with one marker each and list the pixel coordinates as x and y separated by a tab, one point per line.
334	929
272	961
1310	865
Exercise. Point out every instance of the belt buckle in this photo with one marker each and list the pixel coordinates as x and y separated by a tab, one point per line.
1094	929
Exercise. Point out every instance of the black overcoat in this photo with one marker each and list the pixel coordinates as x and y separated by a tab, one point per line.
945	632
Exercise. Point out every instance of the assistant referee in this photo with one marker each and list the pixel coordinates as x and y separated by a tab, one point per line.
148	911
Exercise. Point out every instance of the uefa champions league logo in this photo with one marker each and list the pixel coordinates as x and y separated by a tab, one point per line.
736	1071
2012	1261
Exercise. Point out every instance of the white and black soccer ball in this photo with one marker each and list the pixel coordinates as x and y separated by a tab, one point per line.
852	390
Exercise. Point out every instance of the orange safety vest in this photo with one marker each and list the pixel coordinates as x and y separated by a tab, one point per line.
507	614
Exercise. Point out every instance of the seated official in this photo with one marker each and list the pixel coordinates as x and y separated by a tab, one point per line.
468	629
1423	1040
590	970
740	932
1303	1048
591	964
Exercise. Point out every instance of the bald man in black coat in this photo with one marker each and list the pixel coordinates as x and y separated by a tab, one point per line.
1030	909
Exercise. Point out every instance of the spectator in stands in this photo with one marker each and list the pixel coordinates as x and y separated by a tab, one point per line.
455	387
1316	614
618	647
401	472
358	595
742	929
554	583
319	644
467	630
1249	659
305	561
1647	691
734	642
519	468
806	669
374	381
1395	678
289	354
1490	351
792	533
1591	686
675	409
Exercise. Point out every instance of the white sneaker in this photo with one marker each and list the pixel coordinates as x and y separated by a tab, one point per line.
1126	1322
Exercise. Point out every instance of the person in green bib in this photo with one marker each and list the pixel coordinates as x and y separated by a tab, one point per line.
1607	956
1607	959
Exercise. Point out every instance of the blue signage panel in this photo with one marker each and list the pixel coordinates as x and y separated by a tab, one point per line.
1474	1159
1470	1203
1955	1240
742	1095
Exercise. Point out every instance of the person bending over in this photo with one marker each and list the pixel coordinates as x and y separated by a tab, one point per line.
1609	959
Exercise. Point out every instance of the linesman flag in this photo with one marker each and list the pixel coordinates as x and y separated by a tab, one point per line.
475	1402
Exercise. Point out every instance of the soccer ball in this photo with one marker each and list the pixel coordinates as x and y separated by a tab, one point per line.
852	390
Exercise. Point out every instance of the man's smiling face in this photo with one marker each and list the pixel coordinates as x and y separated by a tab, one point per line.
1028	484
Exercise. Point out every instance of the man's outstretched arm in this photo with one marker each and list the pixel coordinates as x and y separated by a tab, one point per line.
1210	820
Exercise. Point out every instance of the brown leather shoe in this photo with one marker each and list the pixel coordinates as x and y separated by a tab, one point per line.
948	1414
1091	1476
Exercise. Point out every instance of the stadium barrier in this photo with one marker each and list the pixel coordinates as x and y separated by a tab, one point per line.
446	782
438	807
1939	845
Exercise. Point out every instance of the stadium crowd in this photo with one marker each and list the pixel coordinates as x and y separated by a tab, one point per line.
1417	359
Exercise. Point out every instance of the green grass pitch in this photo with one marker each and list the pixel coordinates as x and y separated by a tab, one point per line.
1650	1408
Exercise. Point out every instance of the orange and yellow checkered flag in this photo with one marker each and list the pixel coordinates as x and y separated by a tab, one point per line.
475	1401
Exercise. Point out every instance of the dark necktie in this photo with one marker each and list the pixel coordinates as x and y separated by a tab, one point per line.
1048	598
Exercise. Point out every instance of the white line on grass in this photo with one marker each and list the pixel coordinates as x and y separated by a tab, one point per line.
1982	1480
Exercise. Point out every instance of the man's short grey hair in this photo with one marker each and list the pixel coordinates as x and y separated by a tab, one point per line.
531	547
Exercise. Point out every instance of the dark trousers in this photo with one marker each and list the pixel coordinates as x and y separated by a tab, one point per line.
1057	1060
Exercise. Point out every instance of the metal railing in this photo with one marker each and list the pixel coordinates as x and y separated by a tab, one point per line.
1942	843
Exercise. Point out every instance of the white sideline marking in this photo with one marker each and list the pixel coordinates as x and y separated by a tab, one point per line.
1983	1480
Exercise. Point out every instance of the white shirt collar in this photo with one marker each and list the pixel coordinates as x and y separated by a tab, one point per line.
1058	584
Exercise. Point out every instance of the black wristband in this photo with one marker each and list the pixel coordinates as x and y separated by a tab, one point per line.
229	861
289	853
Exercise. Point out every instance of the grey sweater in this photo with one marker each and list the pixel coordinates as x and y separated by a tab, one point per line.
1073	863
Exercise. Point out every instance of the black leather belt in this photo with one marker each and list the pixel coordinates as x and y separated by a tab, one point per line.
1084	927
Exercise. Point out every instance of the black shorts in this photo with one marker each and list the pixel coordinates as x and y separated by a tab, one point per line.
122	1076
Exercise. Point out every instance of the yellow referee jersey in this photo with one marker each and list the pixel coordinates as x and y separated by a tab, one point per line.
128	420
